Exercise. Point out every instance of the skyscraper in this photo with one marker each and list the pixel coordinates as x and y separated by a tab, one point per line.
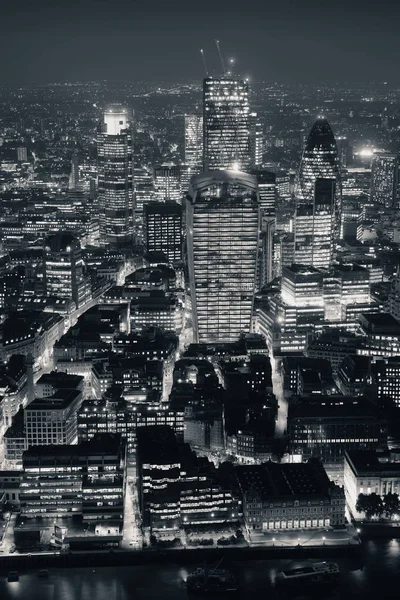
266	181
163	229
74	174
194	141
226	124
115	185
256	140
385	179
314	227
144	194
320	160
63	268
167	183
222	237
22	154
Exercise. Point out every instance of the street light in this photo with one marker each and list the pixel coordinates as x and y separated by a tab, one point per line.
323	539
273	541
298	540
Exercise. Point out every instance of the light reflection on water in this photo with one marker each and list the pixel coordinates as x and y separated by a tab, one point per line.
378	578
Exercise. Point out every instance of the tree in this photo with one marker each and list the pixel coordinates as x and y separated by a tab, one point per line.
370	504
391	504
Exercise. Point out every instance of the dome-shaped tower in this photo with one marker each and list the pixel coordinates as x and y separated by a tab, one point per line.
320	160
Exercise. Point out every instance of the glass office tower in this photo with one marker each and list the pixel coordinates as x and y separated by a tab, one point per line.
385	179
226	124
222	239
194	140
115	186
320	160
314	227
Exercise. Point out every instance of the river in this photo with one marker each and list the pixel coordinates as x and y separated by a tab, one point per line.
378	577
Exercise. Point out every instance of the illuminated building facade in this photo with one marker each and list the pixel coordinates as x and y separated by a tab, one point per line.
226	124
314	227
385	179
364	473
163	229
222	234
86	479
266	181
22	154
63	269
325	427
256	140
74	174
176	488
144	194
194	141
320	160
115	178
167	183
53	420
301	497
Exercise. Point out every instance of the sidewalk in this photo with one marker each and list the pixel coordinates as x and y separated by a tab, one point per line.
8	537
305	537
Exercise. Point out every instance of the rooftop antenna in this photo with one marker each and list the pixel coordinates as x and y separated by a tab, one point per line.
204	61
220	57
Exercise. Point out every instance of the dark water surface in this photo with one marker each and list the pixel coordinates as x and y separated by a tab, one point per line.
376	576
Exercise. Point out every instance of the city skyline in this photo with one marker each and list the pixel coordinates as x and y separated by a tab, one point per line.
290	32
199	305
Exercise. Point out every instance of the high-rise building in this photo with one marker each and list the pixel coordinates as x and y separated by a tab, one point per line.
144	193
63	268
345	151
53	420
163	229
194	141
226	124
167	183
320	160
115	177
222	234
256	140
267	192
385	179
314	227
74	174
22	154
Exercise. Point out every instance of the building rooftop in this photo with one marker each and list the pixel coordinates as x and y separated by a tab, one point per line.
61	241
327	407
367	461
380	323
105	443
62	399
59	380
157	445
274	480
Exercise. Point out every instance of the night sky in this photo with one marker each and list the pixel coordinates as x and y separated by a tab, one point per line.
281	40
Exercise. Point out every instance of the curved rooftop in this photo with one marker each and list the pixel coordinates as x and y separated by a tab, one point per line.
321	136
204	180
61	241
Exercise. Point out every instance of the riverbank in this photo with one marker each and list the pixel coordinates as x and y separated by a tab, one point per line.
119	557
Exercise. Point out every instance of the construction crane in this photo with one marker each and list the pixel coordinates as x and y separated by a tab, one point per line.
204	61
220	57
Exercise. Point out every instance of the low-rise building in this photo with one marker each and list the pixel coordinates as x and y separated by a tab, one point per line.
53	420
289	496
364	473
177	488
86	479
325	427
